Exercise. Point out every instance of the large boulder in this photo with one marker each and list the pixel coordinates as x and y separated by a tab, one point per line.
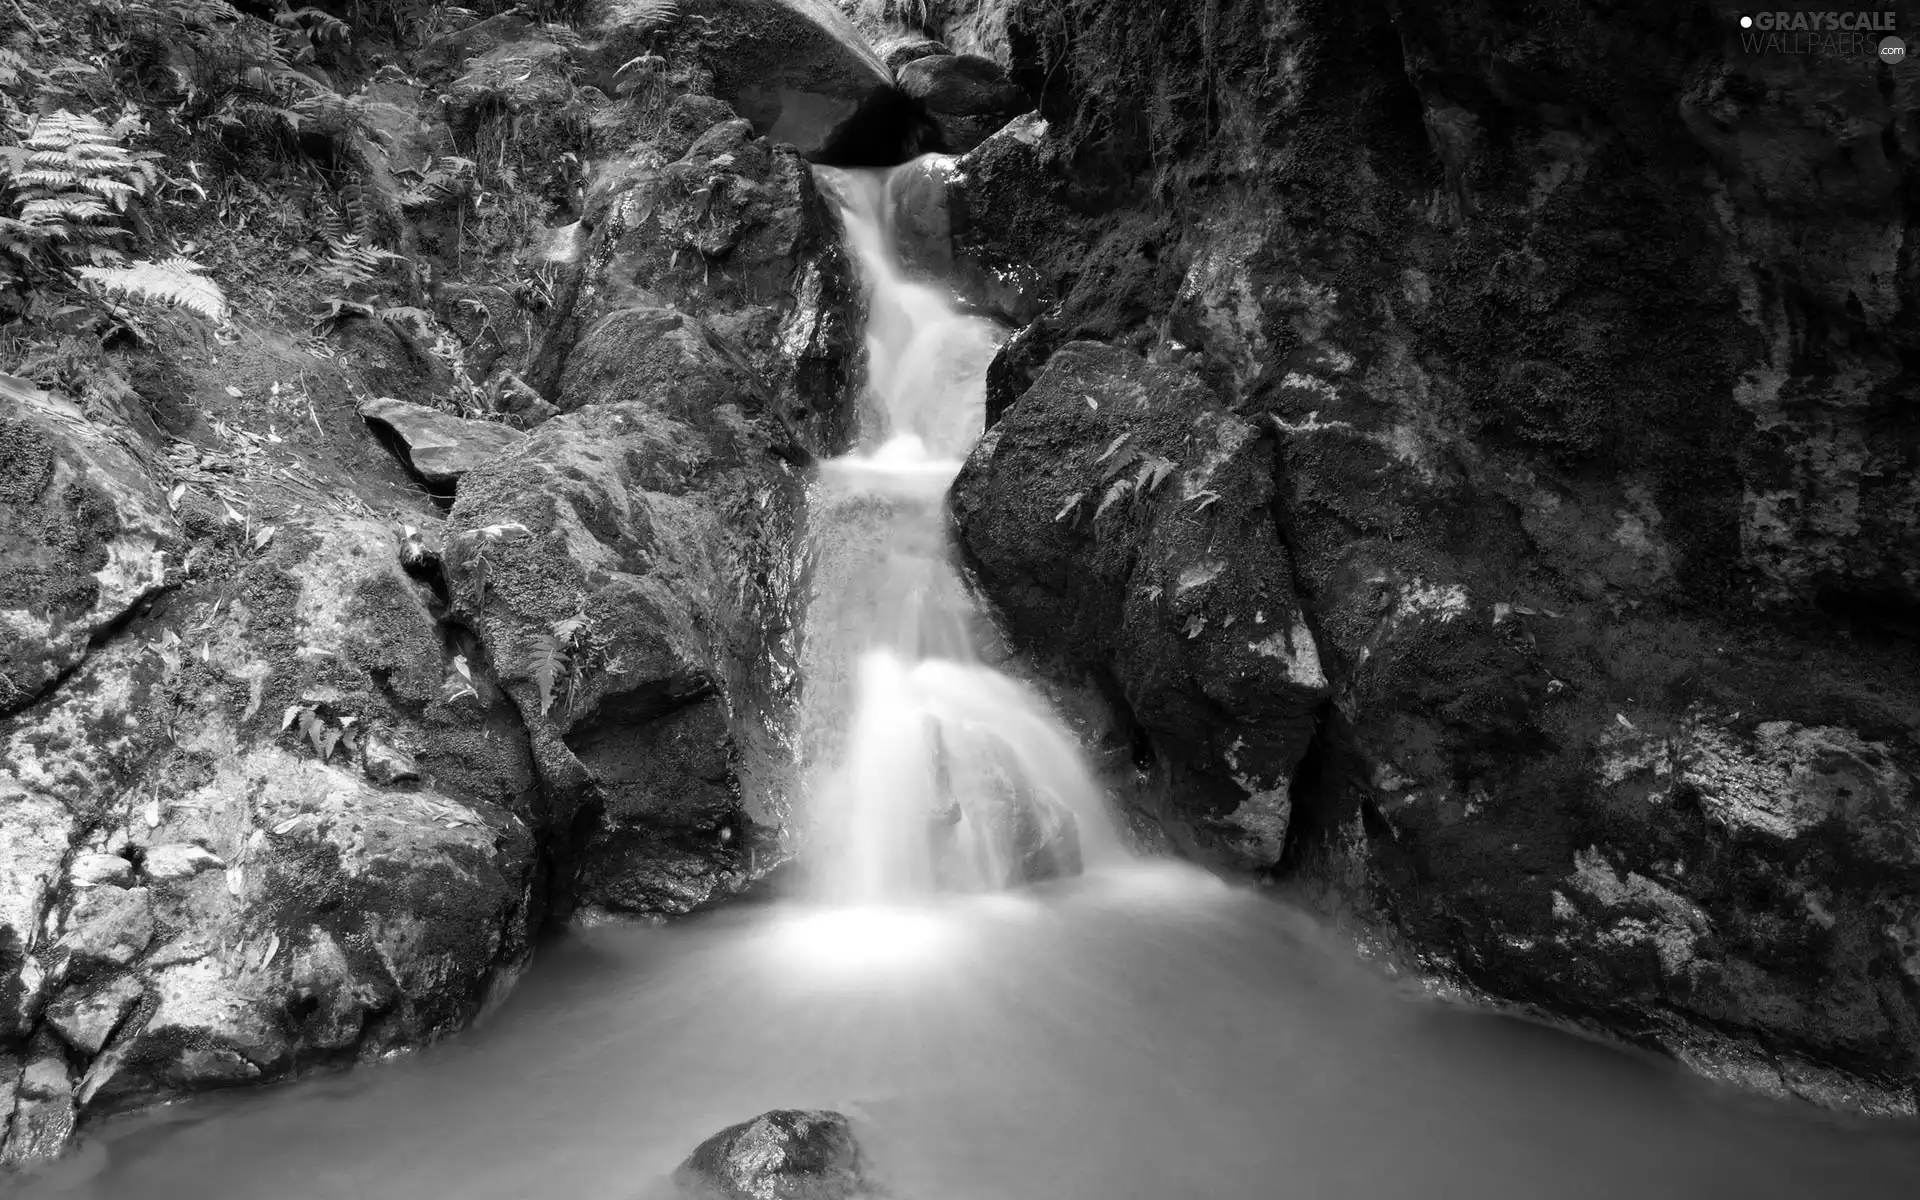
970	97
735	234
787	1154
83	531
439	446
797	69
625	568
275	824
1122	520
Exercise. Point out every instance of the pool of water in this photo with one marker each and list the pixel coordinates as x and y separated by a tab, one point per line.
1142	1032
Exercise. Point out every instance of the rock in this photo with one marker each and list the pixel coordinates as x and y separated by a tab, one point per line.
899	49
385	763
178	860
95	870
22	993
616	518
1135	538
438	445
787	1154
1605	579
797	69
108	927
43	1113
517	399
969	96
87	534
665	840
719	235
688	117
85	1018
293	913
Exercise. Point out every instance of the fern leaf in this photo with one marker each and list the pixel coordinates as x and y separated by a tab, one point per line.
1113	447
173	281
1117	492
648	16
548	667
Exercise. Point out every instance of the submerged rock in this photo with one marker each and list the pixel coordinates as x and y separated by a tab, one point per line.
787	1154
438	445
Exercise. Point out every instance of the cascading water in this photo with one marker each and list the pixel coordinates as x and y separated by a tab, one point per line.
929	770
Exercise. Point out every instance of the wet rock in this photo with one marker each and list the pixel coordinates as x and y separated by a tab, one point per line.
665	841
385	763
94	870
900	49
107	927
23	991
1121	518
969	96
86	535
178	860
797	69
291	912
1595	581
43	1111
724	236
438	445
516	399
688	117
787	1154
628	540
86	1017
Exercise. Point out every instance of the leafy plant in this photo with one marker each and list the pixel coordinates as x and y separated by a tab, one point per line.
1130	474
555	662
70	182
458	685
174	280
312	725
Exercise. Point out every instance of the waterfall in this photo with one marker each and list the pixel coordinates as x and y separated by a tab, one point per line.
927	770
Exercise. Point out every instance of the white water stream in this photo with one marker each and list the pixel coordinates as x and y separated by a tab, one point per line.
1139	1032
930	770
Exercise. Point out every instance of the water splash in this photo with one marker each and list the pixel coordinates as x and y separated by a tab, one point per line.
929	771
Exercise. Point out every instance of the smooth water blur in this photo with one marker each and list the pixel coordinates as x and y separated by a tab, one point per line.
1139	1034
917	753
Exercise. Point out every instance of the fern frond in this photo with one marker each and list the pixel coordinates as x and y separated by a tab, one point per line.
645	16
174	280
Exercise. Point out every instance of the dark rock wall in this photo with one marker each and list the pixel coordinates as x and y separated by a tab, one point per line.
1581	336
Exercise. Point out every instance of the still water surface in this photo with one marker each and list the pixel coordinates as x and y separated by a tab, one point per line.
1144	1032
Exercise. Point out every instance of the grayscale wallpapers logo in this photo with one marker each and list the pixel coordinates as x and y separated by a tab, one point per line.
1837	33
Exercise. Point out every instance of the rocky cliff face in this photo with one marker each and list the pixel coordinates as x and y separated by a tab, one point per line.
300	741
1577	346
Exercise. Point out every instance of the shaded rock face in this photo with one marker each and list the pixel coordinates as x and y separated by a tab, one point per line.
787	1154
1586	435
630	568
439	446
206	878
1121	516
83	532
803	75
968	96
